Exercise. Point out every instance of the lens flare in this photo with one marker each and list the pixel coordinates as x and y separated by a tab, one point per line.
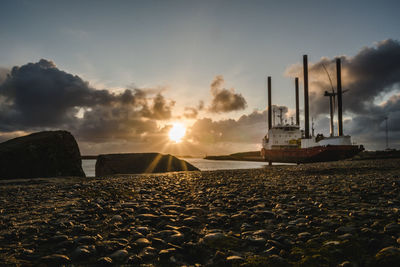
177	132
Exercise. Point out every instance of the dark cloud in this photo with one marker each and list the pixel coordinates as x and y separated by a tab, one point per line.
247	129
39	96
369	76
225	100
161	109
3	74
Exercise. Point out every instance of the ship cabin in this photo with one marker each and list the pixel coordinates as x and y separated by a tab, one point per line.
283	137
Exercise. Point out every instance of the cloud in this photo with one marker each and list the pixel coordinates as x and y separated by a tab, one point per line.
247	129
161	109
369	76
225	100
39	96
3	74
200	106
190	113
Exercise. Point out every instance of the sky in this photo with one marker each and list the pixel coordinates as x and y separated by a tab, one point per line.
118	74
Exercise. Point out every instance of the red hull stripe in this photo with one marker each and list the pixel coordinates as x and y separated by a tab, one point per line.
312	154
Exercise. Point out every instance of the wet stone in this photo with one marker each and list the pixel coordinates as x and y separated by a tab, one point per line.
389	256
119	255
104	261
80	253
85	240
306	215
392	228
165	254
56	259
142	242
231	260
116	218
148	253
345	236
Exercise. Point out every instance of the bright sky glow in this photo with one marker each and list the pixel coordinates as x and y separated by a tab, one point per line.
177	132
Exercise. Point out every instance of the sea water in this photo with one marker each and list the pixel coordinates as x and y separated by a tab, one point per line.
88	165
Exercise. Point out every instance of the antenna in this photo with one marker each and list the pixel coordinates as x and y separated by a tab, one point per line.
312	126
273	111
280	115
387	133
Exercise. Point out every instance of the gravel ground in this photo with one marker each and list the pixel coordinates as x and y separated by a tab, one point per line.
326	214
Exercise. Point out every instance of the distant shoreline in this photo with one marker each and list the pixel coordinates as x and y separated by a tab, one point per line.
255	156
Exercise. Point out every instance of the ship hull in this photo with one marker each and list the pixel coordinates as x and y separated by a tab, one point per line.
312	154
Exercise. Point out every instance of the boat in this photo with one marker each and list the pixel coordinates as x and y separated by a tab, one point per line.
287	143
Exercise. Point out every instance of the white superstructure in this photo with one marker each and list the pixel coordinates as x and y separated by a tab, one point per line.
282	136
290	136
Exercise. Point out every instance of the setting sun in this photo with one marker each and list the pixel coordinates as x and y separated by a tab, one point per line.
177	132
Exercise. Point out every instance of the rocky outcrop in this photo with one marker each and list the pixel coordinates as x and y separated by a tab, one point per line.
111	164
40	155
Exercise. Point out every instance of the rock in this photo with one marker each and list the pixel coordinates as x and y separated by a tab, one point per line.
392	228
165	254
256	241
345	229
58	238
117	218
85	240
111	164
28	254
221	241
389	256
234	260
104	261
119	255
55	259
345	236
134	260
148	253
40	155
142	242
80	253
345	264
304	235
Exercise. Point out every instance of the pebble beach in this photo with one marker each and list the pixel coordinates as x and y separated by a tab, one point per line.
342	213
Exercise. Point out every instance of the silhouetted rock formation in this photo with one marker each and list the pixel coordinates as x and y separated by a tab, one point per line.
110	164
39	155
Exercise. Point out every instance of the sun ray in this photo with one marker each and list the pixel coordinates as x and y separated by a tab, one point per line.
177	132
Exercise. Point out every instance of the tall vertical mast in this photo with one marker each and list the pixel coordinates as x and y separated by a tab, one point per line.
269	104
306	115
296	81
339	95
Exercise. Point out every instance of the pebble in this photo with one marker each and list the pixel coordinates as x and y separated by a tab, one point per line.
119	255
56	259
302	214
117	218
104	261
233	260
142	242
